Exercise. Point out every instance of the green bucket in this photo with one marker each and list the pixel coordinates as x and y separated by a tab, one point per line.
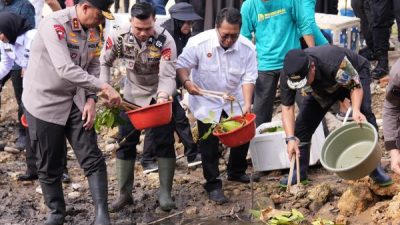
351	151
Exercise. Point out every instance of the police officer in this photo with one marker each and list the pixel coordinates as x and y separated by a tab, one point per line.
328	73
149	53
391	113
60	86
179	26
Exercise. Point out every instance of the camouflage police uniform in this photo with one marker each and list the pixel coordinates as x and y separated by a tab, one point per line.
150	70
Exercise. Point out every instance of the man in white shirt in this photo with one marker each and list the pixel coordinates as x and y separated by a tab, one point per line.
219	60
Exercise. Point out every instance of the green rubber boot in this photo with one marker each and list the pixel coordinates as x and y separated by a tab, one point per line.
125	178
166	170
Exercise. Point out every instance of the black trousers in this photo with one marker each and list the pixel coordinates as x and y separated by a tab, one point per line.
383	12
311	113
16	79
181	126
163	142
362	10
327	6
264	95
210	154
48	140
30	157
126	5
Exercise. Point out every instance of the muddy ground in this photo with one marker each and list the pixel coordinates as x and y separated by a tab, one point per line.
327	196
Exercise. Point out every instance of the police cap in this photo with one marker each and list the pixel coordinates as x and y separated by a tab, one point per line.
296	66
104	6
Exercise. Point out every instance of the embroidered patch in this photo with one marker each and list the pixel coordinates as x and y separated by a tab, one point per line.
166	54
73	55
109	43
74	41
60	30
72	34
75	23
92	36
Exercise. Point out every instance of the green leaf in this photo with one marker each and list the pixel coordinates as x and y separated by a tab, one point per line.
255	213
110	120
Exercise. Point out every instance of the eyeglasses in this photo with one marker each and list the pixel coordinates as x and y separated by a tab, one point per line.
224	37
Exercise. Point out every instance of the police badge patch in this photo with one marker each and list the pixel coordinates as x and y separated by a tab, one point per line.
109	43
60	30
166	54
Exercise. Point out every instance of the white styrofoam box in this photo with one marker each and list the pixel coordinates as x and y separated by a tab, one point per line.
121	19
269	152
345	30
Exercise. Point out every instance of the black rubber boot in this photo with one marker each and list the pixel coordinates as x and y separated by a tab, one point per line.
98	187
304	164
367	53
125	178
380	177
382	68
54	199
166	170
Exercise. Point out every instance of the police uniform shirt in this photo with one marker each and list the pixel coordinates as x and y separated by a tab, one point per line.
64	61
334	77
391	109
18	53
150	65
213	68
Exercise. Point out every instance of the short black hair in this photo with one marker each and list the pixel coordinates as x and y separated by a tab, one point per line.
143	10
231	15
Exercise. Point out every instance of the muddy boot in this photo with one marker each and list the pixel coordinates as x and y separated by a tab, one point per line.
380	177
166	170
54	199
125	178
98	187
382	67
304	163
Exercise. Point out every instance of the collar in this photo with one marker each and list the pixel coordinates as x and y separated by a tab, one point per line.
216	44
75	24
20	39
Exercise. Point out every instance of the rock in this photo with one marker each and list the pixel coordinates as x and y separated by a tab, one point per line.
110	140
355	199
236	192
76	186
319	195
388	191
39	190
74	195
277	199
298	190
4	157
394	208
191	210
109	147
11	150
263	203
340	219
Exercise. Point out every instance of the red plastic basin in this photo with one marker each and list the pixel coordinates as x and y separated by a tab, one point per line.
23	121
241	135
151	116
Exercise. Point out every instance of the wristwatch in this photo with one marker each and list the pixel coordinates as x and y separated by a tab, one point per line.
291	138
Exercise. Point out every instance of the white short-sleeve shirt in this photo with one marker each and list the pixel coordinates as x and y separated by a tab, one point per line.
216	69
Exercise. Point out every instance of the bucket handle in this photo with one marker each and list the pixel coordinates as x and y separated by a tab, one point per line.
347	115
